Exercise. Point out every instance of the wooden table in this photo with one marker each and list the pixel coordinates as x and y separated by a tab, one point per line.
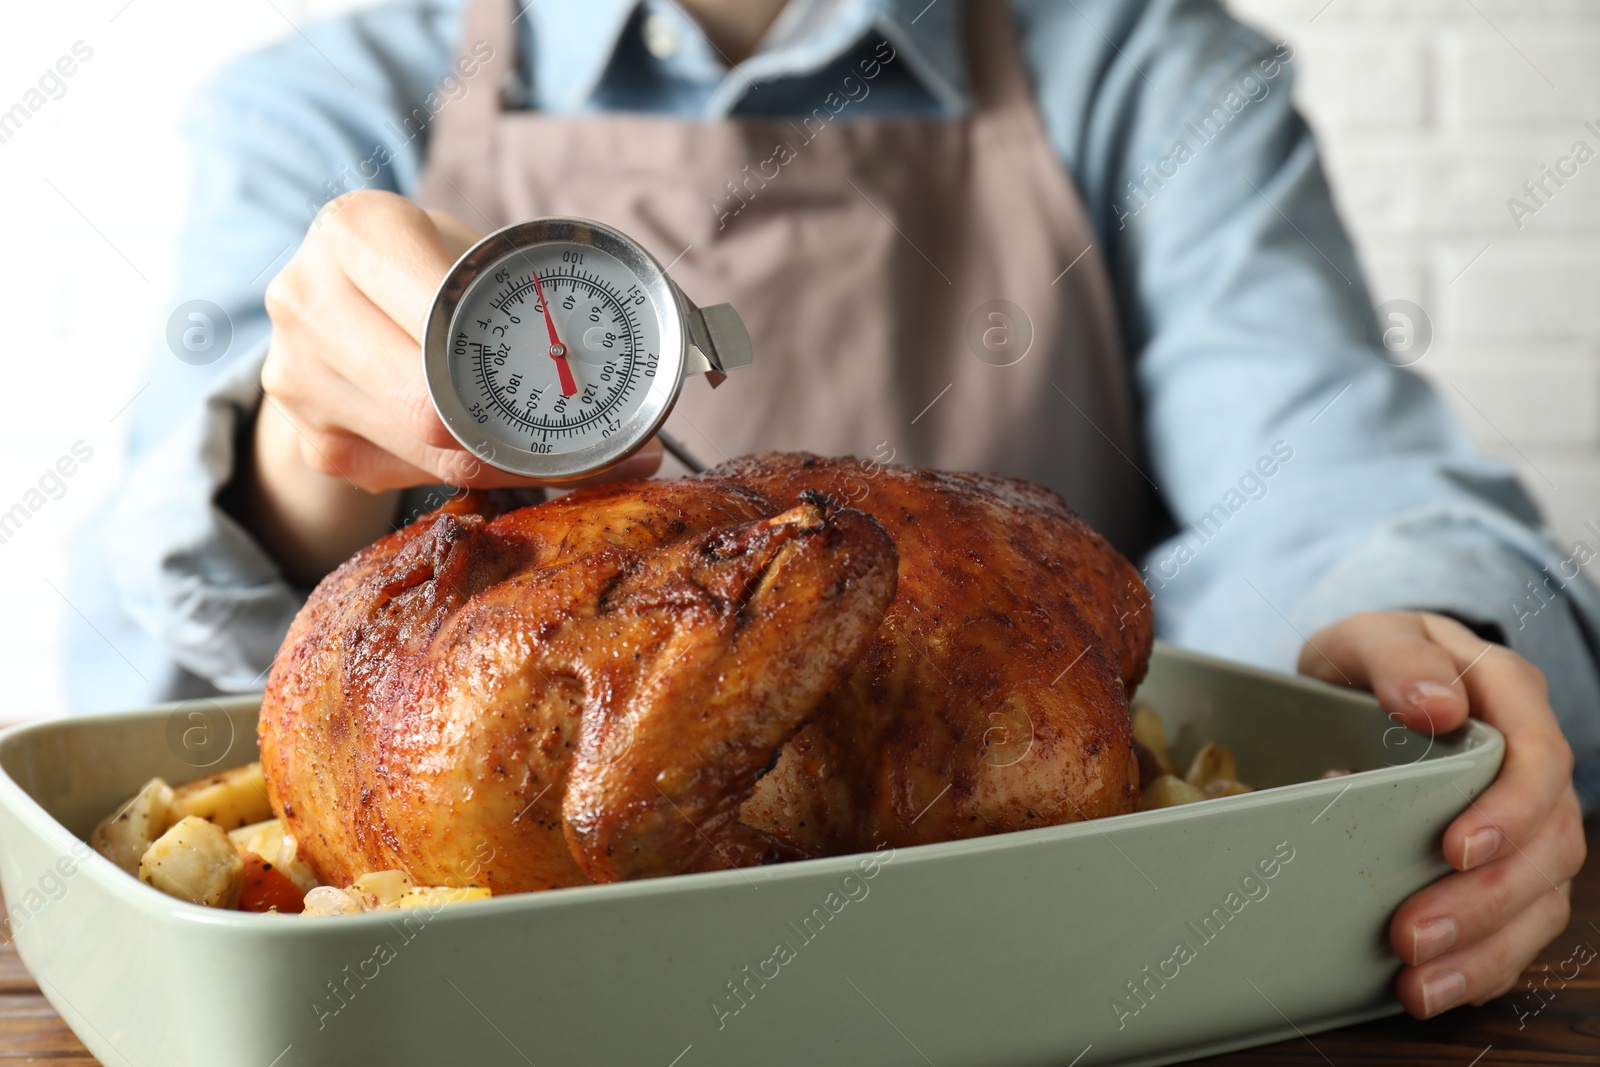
1565	1029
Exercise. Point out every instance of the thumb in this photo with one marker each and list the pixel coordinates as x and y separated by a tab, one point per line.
1390	653
456	235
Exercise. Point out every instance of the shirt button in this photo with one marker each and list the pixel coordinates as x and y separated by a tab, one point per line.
661	35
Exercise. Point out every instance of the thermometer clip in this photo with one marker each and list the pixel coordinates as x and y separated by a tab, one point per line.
718	343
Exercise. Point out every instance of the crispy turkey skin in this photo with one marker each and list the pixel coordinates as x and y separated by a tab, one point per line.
784	657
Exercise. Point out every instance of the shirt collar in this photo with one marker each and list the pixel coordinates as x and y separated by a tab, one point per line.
572	44
933	38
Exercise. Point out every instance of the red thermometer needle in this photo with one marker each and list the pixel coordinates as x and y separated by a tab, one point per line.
558	351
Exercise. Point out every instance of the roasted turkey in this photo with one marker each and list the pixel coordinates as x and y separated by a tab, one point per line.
784	657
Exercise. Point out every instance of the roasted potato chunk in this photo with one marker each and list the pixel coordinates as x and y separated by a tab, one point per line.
379	889
386	891
195	861
127	833
231	798
1168	791
424	896
1212	763
1148	731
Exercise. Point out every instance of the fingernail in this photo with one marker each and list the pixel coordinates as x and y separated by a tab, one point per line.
1430	939
1480	848
1442	991
1422	693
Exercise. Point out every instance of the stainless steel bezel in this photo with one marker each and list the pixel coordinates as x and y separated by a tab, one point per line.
556	467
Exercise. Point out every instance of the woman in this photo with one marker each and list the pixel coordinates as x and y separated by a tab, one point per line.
1087	243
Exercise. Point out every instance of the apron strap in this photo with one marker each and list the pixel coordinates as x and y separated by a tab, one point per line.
490	22
994	61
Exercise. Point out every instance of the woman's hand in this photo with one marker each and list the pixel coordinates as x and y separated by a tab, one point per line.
1467	937
346	421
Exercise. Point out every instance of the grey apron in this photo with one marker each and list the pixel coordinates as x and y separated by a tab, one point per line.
921	291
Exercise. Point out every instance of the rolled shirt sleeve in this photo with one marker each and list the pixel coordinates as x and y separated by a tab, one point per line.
175	598
183	569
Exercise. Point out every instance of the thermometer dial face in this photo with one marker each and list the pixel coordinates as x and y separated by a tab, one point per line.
555	348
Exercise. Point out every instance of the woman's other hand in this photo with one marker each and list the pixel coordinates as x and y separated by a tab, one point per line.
1516	848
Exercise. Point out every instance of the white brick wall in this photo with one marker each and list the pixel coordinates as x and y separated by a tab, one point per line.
1430	119
1431	114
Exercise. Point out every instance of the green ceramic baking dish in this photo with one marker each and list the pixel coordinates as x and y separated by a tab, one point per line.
1146	938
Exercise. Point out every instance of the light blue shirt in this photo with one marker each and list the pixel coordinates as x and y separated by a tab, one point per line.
1309	479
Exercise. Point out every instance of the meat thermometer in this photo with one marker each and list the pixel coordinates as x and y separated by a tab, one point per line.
557	347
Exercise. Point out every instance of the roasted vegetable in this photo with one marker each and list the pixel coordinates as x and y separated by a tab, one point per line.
231	798
266	888
386	891
1168	791
195	861
1148	733
1212	773
125	835
268	840
331	900
378	888
1211	764
424	896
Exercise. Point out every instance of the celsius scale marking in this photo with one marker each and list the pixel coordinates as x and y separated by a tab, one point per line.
621	370
555	348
